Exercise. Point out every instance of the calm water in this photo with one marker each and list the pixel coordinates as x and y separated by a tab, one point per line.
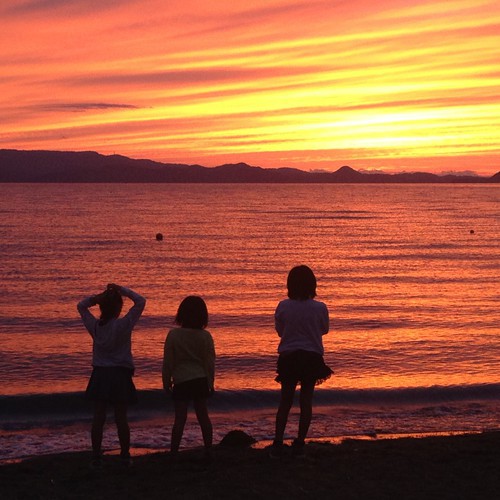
412	293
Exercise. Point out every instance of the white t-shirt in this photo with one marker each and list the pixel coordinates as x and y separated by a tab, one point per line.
112	342
301	324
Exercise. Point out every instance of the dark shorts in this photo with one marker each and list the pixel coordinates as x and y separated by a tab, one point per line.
112	384
192	389
302	366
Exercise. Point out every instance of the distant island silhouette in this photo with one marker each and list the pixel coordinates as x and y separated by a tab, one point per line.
92	167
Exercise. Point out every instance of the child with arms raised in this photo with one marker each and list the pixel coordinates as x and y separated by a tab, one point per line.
113	367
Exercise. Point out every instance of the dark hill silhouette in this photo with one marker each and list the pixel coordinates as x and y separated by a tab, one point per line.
91	167
495	178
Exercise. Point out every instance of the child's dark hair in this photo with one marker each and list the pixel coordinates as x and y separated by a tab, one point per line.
192	313
110	304
301	283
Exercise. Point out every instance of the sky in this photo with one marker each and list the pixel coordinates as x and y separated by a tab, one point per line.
391	85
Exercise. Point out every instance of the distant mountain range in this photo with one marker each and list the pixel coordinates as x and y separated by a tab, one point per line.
88	166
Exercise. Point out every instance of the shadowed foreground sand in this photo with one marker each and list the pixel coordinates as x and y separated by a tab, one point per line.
457	467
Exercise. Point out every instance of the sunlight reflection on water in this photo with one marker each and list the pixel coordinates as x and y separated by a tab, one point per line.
411	292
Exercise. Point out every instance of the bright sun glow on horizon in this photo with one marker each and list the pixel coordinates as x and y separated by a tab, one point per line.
390	85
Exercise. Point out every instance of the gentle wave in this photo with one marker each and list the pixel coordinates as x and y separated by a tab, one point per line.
19	412
252	320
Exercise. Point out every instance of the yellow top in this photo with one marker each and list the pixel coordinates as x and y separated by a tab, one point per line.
189	353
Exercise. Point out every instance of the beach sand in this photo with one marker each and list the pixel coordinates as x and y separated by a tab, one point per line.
439	467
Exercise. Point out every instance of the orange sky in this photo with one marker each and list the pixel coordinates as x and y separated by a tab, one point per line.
392	84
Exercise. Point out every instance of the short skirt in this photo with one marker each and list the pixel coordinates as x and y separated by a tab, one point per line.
302	366
112	384
197	388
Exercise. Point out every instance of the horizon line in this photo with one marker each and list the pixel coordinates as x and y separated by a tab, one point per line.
363	171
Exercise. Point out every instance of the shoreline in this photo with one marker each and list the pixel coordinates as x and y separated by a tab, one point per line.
446	467
51	436
260	444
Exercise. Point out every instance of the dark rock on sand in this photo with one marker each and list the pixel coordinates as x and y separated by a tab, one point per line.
237	439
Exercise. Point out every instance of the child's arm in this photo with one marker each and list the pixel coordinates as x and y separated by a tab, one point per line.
279	323
325	321
136	310
89	320
211	363
168	361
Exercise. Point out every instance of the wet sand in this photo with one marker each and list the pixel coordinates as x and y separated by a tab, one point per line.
442	467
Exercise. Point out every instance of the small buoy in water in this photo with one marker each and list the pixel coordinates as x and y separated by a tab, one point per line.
471	231
159	237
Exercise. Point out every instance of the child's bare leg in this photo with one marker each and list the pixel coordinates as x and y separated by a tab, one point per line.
98	422
181	409
200	407
306	397
122	427
286	402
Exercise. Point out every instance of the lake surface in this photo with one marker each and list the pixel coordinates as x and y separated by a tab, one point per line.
410	274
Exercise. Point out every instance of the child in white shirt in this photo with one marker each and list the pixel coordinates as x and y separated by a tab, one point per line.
301	323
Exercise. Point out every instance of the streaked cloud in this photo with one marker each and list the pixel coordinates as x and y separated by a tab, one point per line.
306	84
85	106
34	7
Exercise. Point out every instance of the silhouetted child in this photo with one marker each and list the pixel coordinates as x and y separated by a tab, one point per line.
189	369
113	367
301	323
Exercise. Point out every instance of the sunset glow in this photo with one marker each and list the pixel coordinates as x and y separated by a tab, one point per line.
391	85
